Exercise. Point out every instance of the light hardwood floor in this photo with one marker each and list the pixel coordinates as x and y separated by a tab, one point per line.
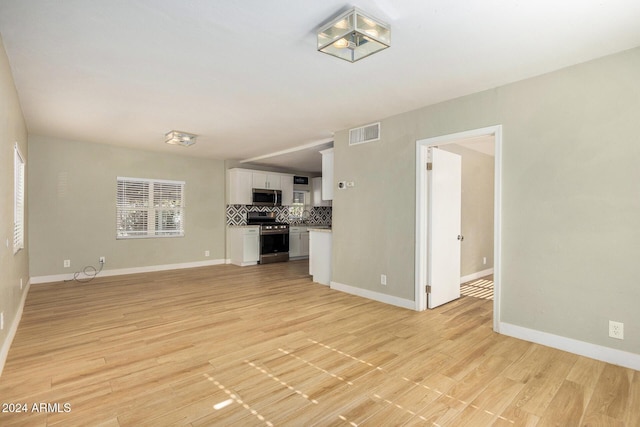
265	346
479	288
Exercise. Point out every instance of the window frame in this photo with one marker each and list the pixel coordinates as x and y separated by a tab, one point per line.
296	210
149	208
19	187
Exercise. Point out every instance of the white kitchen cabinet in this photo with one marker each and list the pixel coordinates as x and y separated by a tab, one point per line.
243	244
327	174
320	242
286	185
270	181
240	187
304	243
294	242
241	183
316	184
298	242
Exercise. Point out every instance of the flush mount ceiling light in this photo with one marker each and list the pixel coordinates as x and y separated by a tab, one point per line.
176	137
354	35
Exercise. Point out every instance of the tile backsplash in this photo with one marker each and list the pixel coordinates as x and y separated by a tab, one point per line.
237	214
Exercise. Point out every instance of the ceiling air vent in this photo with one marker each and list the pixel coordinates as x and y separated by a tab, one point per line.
364	134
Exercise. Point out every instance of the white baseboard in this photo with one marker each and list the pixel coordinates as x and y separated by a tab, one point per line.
593	351
244	264
376	296
4	352
122	271
476	275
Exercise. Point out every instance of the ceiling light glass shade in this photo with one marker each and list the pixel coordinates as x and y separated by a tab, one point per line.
354	35
176	137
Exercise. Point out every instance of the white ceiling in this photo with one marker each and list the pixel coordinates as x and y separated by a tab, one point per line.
246	76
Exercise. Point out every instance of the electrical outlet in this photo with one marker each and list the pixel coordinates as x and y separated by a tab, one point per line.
207	253
484	260
383	279
102	260
2	321
67	263
21	283
616	330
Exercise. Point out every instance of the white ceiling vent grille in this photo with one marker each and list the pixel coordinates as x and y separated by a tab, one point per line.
364	134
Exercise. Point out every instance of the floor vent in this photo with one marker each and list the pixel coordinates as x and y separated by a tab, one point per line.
364	134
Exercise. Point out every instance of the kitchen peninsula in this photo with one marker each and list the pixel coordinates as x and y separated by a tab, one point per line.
320	248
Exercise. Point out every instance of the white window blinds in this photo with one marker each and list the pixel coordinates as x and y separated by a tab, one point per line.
18	200
149	208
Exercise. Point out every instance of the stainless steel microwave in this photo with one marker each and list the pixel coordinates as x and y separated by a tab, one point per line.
264	197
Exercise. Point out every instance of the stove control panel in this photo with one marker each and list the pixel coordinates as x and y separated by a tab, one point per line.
275	227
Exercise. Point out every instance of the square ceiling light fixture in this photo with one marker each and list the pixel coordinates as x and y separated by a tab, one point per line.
354	35
176	137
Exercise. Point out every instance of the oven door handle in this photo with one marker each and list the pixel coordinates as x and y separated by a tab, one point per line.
272	232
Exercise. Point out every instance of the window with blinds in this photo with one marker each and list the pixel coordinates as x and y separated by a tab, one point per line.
149	208
300	200
18	200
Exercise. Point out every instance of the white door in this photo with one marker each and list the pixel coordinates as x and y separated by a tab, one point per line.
445	194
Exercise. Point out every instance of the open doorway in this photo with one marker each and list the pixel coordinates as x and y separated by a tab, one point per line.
474	265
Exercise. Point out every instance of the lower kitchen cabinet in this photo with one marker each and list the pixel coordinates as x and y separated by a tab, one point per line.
243	244
298	242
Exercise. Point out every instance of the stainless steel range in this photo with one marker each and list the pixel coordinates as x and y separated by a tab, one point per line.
274	236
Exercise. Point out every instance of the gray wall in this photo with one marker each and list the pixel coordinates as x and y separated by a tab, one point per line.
570	198
72	215
477	209
12	267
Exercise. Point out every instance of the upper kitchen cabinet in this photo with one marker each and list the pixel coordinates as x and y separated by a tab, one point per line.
327	174
268	181
241	183
240	186
286	185
317	193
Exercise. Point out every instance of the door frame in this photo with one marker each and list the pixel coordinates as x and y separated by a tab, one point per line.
422	213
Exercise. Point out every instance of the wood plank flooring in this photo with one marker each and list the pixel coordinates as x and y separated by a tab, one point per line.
480	288
264	346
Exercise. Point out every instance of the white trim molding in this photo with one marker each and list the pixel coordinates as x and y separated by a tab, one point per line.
582	348
11	333
476	275
421	234
122	271
372	295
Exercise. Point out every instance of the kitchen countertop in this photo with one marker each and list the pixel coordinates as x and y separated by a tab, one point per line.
320	230
310	227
